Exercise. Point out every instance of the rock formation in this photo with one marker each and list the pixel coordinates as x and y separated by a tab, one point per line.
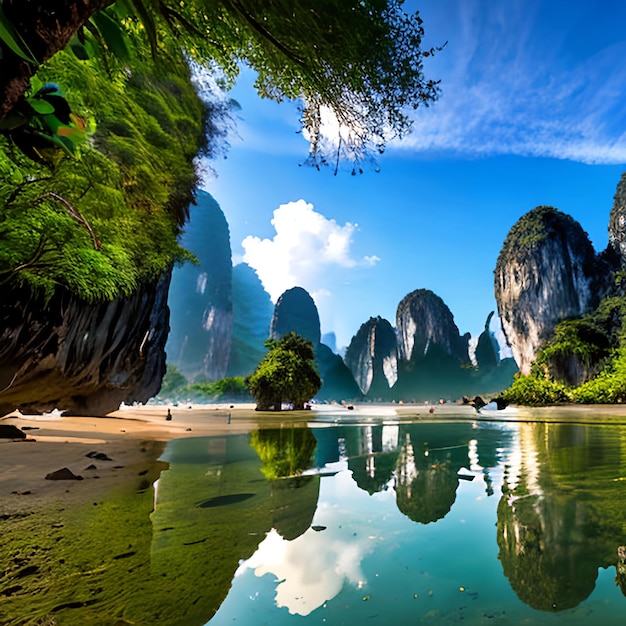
372	357
487	349
424	324
617	223
81	357
252	316
201	318
547	271
295	311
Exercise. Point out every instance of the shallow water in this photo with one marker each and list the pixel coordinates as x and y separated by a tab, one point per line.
406	523
351	518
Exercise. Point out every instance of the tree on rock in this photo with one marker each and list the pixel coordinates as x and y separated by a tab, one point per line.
286	374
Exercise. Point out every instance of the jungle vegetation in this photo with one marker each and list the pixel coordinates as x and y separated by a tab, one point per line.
583	362
101	120
287	374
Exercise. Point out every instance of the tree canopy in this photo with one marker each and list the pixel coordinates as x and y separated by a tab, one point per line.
355	63
287	373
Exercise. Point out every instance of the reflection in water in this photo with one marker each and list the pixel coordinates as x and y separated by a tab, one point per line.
349	524
561	516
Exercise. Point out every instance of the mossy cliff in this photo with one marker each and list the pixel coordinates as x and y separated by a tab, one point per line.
87	243
563	307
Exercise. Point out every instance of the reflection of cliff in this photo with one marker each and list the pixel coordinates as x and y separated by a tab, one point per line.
213	508
560	518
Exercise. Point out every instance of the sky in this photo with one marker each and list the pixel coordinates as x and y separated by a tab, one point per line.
531	112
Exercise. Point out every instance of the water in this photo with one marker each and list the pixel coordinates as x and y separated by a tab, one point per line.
385	520
423	523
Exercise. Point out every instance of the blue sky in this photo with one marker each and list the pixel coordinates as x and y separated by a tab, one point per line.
532	111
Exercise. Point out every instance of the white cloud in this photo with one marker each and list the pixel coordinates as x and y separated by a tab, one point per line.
514	83
306	247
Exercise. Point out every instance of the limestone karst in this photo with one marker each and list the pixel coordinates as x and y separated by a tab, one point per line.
547	271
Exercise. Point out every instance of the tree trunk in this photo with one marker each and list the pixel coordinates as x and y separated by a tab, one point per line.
46	27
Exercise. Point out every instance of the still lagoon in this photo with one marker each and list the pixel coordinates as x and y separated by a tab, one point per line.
376	520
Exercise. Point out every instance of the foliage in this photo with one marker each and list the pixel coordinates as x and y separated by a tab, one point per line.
173	381
535	391
284	452
287	373
102	224
233	388
609	387
355	63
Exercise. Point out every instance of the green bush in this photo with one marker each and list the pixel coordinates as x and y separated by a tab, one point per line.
535	391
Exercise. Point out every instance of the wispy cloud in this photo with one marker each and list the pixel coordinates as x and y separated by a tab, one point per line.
518	82
306	249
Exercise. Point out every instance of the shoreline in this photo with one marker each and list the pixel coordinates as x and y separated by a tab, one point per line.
54	442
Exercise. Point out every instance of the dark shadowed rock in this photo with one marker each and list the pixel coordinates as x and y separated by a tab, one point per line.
80	357
9	431
295	311
547	271
487	348
63	474
200	300
424	324
372	357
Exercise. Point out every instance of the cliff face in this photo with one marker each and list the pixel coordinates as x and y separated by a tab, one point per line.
424	323
201	297
487	349
252	311
295	311
372	356
546	272
617	222
83	358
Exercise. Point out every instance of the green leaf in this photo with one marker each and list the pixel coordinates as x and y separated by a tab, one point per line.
11	37
112	34
41	106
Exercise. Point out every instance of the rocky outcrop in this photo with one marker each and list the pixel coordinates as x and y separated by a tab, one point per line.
372	357
547	271
252	316
617	223
81	357
201	297
425	325
487	349
295	311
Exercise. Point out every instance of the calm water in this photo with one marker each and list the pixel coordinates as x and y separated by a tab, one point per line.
383	522
398	523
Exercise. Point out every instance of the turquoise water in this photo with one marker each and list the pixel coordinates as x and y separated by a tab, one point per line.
403	523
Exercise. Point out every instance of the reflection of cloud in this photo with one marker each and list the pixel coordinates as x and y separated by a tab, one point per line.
305	246
313	568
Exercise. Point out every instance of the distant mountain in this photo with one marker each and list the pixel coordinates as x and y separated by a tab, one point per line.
372	357
252	311
295	311
200	298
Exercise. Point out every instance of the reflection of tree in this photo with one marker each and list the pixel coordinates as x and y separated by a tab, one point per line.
284	451
561	517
